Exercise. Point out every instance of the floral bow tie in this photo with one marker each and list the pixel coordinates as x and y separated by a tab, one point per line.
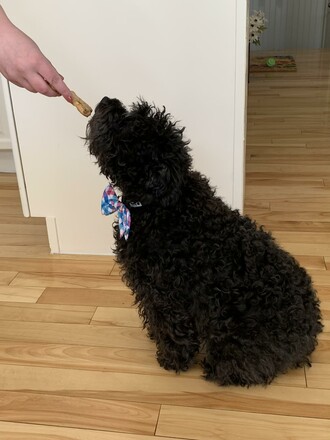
110	203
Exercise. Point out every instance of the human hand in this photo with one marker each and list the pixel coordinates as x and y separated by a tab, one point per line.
23	64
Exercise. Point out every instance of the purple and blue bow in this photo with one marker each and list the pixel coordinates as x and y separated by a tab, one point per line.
110	203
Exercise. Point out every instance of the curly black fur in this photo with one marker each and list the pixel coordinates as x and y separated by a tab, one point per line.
204	277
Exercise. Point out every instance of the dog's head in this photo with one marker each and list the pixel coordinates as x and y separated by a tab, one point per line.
141	150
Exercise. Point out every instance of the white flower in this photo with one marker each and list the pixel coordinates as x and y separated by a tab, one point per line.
257	26
254	37
256	21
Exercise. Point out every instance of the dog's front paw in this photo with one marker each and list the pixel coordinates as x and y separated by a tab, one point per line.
178	358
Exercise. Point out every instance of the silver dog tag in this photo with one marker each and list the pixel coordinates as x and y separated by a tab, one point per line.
135	204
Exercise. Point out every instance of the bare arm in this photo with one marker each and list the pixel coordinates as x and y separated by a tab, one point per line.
23	64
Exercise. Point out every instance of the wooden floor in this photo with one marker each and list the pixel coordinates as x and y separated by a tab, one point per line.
74	362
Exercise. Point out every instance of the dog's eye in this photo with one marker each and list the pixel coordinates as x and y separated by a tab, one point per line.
158	180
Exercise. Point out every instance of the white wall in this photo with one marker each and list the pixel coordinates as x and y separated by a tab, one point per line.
292	24
189	55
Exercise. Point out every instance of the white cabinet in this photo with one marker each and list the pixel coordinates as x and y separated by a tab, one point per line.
189	55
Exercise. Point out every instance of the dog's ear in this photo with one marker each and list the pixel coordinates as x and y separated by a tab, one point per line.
166	180
166	154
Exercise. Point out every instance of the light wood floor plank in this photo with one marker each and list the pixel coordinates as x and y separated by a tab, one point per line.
59	280
9	193
43	409
8	179
302	237
327	262
83	357
310	249
9	224
319	376
10	210
6	277
75	334
20	431
116	270
25	312
304	226
33	251
183	389
324	292
310	170
257	204
122	317
112	359
320	277
110	259
294	205
278	217
23	240
56	266
282	193
201	424
271	150
322	354
310	262
284	182
295	177
18	294
86	297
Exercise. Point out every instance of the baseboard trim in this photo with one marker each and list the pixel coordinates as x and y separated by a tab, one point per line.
54	243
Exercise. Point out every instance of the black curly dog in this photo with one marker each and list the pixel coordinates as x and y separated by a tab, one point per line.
205	278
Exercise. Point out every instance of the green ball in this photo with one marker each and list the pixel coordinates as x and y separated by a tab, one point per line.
271	62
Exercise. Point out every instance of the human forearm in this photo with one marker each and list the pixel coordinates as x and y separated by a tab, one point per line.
23	64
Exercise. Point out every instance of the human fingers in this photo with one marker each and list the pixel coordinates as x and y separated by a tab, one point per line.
58	84
37	84
22	83
55	80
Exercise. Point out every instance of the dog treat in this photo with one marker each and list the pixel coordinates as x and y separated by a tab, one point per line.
81	105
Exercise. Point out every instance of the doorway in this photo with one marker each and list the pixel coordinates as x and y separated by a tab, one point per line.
294	24
327	27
